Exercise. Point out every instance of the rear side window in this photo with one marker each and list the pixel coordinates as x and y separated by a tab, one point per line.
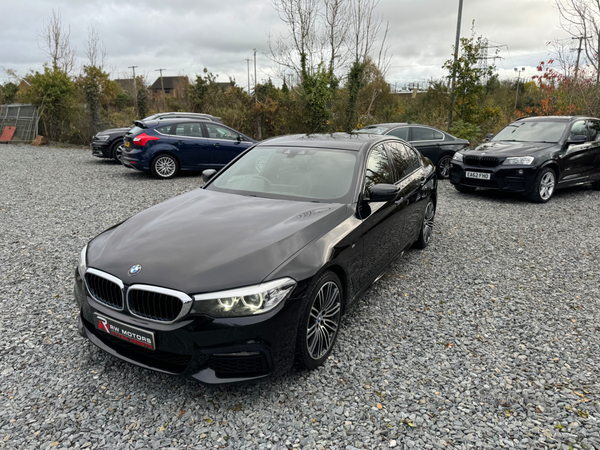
401	133
164	129
135	131
378	168
426	134
188	130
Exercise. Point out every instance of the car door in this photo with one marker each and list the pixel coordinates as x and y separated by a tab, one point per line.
427	141
193	148
382	229
225	144
577	160
410	178
594	134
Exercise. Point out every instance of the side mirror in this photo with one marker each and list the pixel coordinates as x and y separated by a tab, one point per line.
239	138
207	175
577	139
383	192
489	136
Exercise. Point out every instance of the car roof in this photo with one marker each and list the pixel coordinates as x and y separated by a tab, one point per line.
171	120
341	141
552	118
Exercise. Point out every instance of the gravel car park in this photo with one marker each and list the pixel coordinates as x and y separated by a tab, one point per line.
486	339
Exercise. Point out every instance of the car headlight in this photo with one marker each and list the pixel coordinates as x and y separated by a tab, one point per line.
518	160
458	157
246	301
82	264
102	137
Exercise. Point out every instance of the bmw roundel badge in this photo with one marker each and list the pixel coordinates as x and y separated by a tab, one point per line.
135	269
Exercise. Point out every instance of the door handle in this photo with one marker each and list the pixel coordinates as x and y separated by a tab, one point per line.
399	201
179	142
217	145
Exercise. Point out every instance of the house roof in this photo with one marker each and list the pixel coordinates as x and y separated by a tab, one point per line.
125	83
169	82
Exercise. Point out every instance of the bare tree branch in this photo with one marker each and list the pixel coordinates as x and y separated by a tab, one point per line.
55	43
94	48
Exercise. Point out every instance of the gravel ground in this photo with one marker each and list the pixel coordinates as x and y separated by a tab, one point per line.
489	338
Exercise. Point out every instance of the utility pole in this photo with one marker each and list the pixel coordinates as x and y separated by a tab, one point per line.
518	78
248	66
457	42
134	89
162	85
581	38
255	97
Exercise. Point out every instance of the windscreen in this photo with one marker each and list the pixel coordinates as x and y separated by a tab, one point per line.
532	131
371	130
300	173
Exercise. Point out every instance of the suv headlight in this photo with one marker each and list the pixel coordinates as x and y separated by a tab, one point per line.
82	264
458	157
518	160
246	301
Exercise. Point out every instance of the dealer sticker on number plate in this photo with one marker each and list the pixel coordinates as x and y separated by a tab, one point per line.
478	175
125	332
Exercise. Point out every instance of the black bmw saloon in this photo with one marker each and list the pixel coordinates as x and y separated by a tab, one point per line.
238	279
534	156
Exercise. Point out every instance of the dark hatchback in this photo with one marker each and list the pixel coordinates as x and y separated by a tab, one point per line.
236	280
165	146
109	143
535	156
437	145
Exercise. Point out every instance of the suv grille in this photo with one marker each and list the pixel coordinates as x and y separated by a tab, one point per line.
153	305
482	161
105	291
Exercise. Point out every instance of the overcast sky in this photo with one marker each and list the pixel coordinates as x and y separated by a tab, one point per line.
184	36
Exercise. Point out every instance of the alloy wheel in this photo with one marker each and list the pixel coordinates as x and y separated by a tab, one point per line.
444	167
324	320
428	221
547	185
165	166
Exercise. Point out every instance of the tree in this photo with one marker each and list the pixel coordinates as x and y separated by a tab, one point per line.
55	42
8	92
469	87
581	19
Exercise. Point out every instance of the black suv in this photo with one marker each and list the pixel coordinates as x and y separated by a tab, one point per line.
109	143
533	155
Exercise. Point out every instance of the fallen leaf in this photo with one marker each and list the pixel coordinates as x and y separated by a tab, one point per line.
379	406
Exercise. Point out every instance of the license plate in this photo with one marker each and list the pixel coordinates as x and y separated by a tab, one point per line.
127	144
127	333
478	175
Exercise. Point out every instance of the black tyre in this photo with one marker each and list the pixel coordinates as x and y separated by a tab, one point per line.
164	166
427	226
320	322
443	167
543	186
116	150
464	189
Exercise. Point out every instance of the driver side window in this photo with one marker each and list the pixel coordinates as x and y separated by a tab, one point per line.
378	168
578	129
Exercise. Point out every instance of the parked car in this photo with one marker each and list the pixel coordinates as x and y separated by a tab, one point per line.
533	155
437	145
165	146
233	281
109	143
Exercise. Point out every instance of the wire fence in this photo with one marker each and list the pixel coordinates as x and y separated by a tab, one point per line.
24	117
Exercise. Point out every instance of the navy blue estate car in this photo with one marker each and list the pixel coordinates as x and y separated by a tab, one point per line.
236	280
166	146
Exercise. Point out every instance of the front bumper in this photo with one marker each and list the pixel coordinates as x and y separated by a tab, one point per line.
100	149
503	178
211	351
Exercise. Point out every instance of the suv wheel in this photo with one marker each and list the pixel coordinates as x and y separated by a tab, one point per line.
543	186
